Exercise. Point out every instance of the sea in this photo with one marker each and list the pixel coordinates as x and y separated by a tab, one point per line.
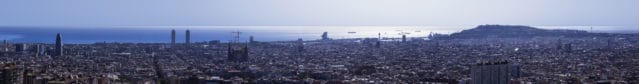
162	34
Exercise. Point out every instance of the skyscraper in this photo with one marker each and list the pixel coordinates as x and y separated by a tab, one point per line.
251	39
188	38
173	38
9	73
40	50
325	36
403	38
5	45
58	45
300	45
21	47
379	39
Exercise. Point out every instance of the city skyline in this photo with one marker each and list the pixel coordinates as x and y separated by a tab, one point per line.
486	54
319	42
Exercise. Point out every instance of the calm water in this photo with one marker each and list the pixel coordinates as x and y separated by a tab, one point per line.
223	33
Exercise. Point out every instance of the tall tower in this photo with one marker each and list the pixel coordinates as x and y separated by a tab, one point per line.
5	45
188	38
173	38
58	45
40	49
379	38
325	36
10	73
251	39
300	45
403	38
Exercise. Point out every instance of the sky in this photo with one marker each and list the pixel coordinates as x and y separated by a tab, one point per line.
109	13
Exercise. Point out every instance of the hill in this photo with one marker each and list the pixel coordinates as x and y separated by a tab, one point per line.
515	31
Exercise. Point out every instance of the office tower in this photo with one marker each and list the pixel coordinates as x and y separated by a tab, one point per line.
5	46
493	73
39	49
173	38
188	38
20	47
325	36
251	39
9	74
58	45
28	77
403	38
379	39
300	45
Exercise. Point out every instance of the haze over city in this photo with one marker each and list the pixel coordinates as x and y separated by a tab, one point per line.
319	42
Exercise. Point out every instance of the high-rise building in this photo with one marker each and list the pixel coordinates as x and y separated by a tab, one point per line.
379	39
173	38
251	39
28	77
493	73
378	44
403	38
9	74
20	47
39	50
58	45
325	36
188	38
300	45
5	46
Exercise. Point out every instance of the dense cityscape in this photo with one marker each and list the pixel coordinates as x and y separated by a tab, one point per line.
507	54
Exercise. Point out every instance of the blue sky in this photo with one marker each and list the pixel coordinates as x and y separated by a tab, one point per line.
107	13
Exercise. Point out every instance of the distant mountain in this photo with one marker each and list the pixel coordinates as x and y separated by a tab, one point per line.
515	31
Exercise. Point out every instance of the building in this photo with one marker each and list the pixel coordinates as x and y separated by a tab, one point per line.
300	45
39	49
251	39
9	74
173	38
379	39
59	51
492	73
28	77
403	38
325	36
188	38
20	47
5	46
237	54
